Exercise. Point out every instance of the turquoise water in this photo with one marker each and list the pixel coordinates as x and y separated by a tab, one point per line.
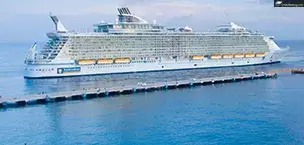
251	112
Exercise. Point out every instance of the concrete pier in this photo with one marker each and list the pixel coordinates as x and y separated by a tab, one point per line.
291	70
8	102
297	71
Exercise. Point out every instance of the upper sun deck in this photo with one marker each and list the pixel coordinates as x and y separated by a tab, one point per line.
232	27
127	22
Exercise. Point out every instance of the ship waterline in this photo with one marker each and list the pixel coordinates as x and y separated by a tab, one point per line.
134	45
44	71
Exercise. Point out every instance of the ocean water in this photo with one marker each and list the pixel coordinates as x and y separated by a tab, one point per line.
251	112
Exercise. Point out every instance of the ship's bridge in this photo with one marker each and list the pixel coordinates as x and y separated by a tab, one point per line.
127	22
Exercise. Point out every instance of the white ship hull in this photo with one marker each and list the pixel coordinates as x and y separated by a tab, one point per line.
124	46
53	70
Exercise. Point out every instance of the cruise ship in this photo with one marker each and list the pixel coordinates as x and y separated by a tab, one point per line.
131	44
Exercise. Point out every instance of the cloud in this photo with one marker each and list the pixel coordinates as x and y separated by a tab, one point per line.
260	1
266	1
199	14
167	9
150	9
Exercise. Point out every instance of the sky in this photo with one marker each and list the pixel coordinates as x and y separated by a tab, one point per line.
28	21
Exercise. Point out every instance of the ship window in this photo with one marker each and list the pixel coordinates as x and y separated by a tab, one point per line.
195	64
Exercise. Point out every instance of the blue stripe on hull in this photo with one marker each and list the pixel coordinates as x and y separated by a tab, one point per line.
153	71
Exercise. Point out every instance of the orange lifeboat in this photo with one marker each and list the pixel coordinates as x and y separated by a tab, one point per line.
260	54
249	55
239	55
122	60
216	56
228	56
105	61
86	61
195	57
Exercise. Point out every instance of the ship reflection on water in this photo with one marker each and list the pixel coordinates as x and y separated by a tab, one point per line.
34	86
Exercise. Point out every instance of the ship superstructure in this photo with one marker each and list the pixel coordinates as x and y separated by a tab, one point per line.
131	44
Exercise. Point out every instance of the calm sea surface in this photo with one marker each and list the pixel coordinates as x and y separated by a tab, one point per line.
251	112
